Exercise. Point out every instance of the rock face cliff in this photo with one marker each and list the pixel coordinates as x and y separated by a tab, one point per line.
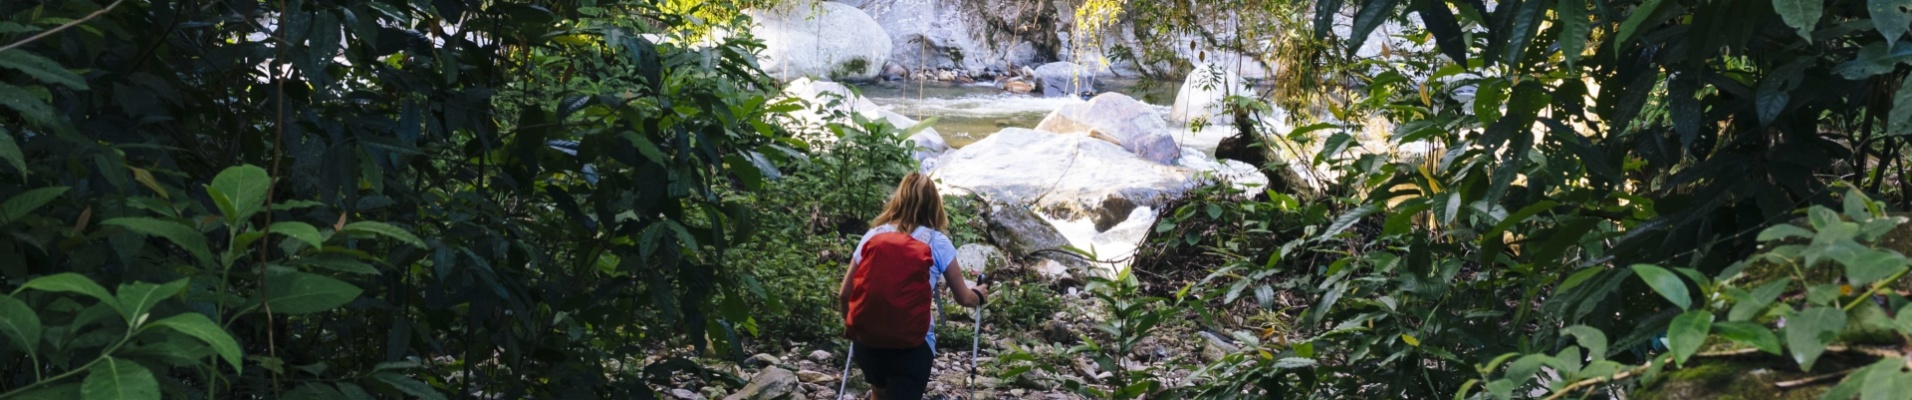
825	40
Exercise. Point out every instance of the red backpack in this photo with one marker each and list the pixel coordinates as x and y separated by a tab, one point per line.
890	294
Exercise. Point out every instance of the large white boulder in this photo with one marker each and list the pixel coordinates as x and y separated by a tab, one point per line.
831	102
931	34
1062	174
1059	79
1120	119
820	39
1202	94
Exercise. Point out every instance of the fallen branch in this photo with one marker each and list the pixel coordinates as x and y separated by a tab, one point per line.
1812	380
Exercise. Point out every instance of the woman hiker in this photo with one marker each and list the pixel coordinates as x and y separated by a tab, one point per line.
886	293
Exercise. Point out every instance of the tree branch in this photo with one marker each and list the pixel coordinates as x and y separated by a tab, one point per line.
62	27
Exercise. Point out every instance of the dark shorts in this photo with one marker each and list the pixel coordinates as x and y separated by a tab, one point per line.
901	373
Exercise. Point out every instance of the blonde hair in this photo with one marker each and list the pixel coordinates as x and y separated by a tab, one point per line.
914	204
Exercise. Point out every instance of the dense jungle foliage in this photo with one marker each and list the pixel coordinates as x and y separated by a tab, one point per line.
1613	187
326	199
586	199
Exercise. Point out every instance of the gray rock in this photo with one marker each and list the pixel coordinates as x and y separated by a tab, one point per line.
820	356
1020	231
762	360
770	384
977	257
1061	174
681	394
1120	119
1202	94
831	102
1113	211
814	377
1062	79
806	39
711	392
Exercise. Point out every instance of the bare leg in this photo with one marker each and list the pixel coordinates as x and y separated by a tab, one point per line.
878	394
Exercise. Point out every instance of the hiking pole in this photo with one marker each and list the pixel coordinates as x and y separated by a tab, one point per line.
845	382
976	338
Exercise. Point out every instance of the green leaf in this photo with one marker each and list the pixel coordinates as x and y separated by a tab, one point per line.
20	205
180	234
1638	17
136	298
1666	283
1893	18
73	283
1808	332
1873	59
1899	121
244	190
1574	29
1821	217
1802	15
1687	333
313	391
43	69
381	228
301	231
304	293
1904	319
1348	220
1886	380
29	104
66	391
1872	265
10	152
1747	308
1784	231
116	379
1749	334
18	322
409	386
198	326
1590	338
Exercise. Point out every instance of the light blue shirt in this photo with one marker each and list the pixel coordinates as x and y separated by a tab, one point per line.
941	250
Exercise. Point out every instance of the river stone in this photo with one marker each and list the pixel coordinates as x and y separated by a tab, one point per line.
1062	79
1066	176
1120	119
814	377
681	394
1202	94
1020	231
1113	211
762	360
820	39
772	383
976	257
831	102
820	356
